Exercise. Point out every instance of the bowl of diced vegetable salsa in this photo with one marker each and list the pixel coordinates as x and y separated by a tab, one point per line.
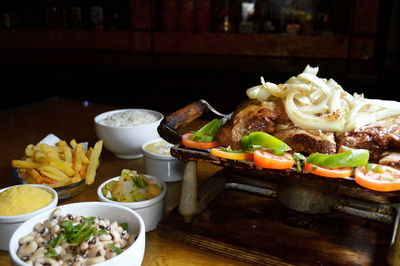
143	193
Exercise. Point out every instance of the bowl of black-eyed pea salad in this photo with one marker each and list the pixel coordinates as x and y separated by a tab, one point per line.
84	233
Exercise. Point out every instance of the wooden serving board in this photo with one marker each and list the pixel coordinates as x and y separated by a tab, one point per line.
259	230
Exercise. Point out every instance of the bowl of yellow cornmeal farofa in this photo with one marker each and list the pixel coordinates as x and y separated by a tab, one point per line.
21	202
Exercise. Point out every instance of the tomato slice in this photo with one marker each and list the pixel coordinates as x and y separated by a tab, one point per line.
189	143
265	159
232	155
388	179
341	172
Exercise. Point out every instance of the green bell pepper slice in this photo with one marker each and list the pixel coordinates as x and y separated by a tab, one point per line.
259	139
208	131
349	158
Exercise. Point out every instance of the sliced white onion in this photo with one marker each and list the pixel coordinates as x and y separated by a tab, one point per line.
334	102
263	94
253	91
317	103
304	120
311	70
315	80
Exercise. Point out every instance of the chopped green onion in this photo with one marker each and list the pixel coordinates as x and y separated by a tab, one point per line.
229	149
115	249
124	226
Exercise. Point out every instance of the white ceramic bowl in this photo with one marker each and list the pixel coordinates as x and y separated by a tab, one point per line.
165	167
8	224
131	256
125	142
151	210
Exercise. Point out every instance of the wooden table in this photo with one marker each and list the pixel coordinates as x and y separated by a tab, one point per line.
68	120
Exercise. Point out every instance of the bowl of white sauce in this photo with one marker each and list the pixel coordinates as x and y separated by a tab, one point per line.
159	162
123	131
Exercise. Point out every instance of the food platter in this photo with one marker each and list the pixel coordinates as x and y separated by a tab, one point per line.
170	128
300	192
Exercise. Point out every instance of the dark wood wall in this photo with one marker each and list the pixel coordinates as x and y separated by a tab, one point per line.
146	66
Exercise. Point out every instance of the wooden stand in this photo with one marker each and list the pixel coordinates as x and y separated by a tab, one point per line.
256	228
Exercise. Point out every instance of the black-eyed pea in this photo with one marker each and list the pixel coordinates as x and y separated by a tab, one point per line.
27	238
95	260
120	229
38	227
56	213
39	239
29	262
68	257
115	236
27	249
93	241
50	223
107	242
84	245
102	224
96	251
60	250
123	243
55	229
65	245
47	261
113	225
39	253
110	254
104	237
125	235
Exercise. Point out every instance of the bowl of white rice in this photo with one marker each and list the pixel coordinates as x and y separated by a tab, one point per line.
123	131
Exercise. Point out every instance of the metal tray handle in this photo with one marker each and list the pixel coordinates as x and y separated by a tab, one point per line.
168	128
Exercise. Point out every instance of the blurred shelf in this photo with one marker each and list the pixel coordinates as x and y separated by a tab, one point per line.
65	39
282	45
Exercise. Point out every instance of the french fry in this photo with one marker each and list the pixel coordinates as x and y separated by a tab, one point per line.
39	156
29	150
44	147
24	164
84	158
63	166
73	144
59	165
67	154
93	162
62	143
83	171
77	157
76	178
52	172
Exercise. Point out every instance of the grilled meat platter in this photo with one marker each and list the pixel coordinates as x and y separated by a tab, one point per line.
314	117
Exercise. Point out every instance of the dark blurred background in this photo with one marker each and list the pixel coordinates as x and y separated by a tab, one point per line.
164	54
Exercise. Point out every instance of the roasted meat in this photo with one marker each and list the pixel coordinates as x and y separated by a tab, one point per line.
306	140
381	138
250	116
270	117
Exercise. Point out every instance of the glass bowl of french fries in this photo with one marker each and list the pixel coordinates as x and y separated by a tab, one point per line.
67	168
